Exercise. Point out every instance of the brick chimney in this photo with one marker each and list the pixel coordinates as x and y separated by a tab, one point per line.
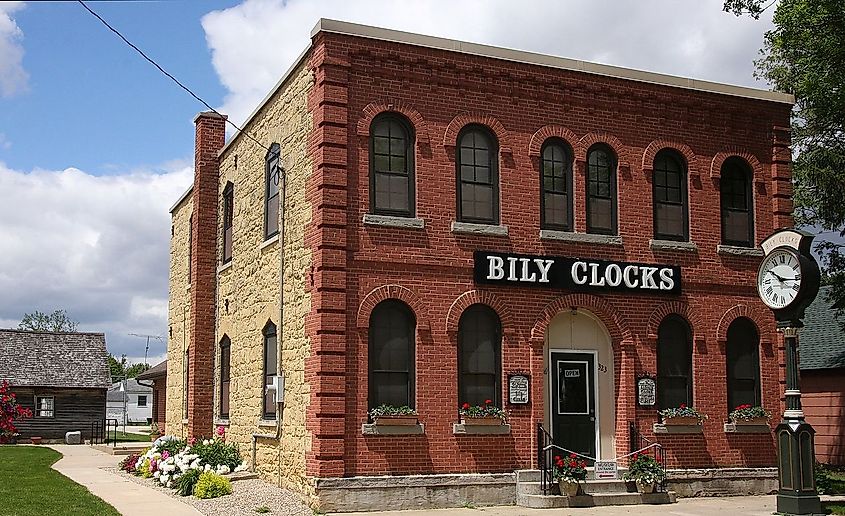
210	137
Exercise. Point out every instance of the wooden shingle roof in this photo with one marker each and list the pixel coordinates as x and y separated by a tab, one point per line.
54	359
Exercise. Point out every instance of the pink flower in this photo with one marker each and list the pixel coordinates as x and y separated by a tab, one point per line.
192	441
165	454
221	431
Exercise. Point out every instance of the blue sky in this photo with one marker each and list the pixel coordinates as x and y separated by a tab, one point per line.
92	103
95	144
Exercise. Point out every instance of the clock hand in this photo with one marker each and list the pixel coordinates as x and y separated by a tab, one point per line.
780	278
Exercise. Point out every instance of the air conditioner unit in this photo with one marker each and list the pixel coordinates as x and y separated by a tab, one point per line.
278	387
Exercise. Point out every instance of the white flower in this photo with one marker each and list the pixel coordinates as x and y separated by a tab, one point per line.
241	467
207	467
206	442
165	479
223	469
157	474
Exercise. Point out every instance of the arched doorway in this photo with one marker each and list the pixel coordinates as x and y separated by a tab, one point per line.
580	404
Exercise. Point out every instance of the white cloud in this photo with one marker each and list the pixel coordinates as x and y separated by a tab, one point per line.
13	77
253	43
96	246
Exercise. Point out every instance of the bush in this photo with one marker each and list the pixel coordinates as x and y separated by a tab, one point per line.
145	470
215	452
128	464
212	485
172	446
824	483
187	481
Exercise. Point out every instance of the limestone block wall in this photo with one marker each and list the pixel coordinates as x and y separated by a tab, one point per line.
249	290
179	312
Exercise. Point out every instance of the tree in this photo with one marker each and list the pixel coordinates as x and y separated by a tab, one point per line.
121	369
805	55
56	321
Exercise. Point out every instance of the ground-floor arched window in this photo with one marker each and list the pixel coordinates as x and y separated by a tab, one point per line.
479	356
674	363
391	354
743	364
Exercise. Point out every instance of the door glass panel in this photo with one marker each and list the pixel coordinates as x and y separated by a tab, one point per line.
573	391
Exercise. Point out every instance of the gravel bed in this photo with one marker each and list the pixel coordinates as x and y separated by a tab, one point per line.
246	497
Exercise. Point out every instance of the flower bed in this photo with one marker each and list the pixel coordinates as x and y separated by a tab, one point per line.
181	465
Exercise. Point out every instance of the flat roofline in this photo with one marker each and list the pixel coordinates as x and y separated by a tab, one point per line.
521	56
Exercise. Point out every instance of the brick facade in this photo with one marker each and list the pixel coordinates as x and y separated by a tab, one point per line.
351	266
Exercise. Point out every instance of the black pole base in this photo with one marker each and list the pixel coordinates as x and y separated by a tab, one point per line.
792	502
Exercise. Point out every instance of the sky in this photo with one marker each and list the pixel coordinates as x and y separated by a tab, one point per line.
96	144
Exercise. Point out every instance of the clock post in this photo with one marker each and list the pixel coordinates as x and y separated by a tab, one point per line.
788	281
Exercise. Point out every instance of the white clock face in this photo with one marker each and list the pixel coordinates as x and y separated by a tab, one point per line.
779	279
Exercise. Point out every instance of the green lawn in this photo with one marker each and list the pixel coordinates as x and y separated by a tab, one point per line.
30	487
833	508
837	481
129	436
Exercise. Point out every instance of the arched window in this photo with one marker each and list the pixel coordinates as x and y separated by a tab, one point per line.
556	180
225	355
478	175
601	190
743	364
669	194
479	356
674	363
272	181
228	220
391	354
737	205
268	404
391	166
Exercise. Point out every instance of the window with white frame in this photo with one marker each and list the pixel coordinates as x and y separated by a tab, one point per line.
44	406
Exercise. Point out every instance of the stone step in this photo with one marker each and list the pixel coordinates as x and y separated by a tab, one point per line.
533	475
539	501
589	487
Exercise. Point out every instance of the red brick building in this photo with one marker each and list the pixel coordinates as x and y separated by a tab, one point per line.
471	218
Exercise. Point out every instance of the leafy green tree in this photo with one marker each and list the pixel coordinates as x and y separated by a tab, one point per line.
120	369
56	321
136	369
805	55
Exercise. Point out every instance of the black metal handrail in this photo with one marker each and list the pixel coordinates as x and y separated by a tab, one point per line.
544	458
638	441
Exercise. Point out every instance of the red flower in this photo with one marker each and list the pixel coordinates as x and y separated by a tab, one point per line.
573	455
634	456
488	402
465	406
583	464
683	405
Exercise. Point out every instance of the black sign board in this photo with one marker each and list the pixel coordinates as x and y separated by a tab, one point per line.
518	389
646	392
575	273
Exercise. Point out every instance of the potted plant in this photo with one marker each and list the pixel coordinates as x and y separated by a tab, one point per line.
487	414
569	473
682	415
392	415
646	471
750	415
155	432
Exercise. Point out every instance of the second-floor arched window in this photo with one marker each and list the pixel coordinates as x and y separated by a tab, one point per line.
669	195
391	166
477	163
601	190
737	204
556	180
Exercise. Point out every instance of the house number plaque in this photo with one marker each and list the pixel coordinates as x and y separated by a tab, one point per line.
518	387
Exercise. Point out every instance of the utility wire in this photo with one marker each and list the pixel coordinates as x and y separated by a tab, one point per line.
174	79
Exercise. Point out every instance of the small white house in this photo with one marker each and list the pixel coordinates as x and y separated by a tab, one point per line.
133	398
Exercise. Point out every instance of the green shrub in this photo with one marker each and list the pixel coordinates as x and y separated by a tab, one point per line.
186	482
144	470
173	446
823	480
217	452
212	485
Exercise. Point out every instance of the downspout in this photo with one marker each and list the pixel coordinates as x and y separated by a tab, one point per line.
280	403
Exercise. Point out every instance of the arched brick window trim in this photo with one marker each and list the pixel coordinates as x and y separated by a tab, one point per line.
450	137
679	308
658	145
472	297
736	312
404	294
372	110
623	159
753	162
612	318
535	145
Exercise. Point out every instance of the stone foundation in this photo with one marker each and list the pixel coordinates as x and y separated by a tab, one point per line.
723	482
414	492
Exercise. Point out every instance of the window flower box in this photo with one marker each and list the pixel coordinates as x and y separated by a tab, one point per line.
681	416
389	415
396	420
747	415
481	421
757	421
681	421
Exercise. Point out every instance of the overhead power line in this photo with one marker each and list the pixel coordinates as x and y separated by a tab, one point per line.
166	73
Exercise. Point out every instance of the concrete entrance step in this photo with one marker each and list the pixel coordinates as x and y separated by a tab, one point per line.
533	475
539	501
589	487
122	448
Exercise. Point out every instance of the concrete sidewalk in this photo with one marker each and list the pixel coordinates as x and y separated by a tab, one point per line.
732	505
83	464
